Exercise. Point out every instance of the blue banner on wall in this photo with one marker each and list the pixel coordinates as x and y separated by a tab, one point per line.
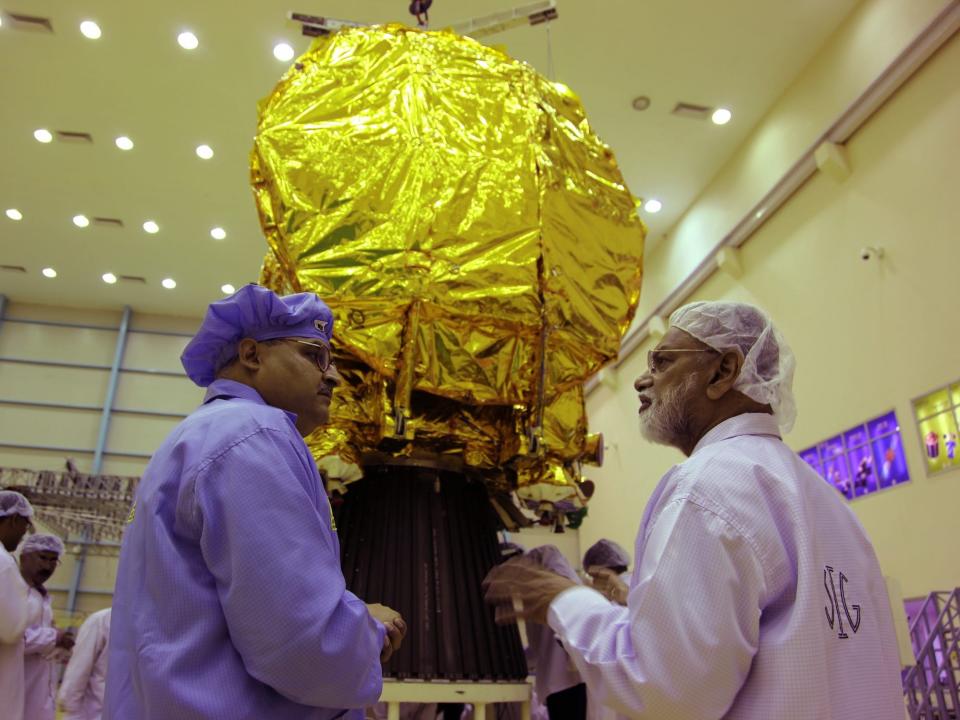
862	460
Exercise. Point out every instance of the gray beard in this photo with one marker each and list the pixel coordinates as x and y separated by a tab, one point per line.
665	422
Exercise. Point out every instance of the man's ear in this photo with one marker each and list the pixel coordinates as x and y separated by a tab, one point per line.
726	374
248	354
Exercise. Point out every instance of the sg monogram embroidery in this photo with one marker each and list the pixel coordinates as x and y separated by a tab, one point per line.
835	599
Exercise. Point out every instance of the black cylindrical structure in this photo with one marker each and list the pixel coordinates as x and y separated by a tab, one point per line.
421	540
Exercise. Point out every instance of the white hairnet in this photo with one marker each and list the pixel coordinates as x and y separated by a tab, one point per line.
768	362
605	553
41	542
13	503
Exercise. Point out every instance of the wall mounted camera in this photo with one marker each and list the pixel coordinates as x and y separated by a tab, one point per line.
869	253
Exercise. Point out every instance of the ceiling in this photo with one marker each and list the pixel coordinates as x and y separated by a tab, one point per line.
137	81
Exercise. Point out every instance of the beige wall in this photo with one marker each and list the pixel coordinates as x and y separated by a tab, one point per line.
868	336
866	43
65	428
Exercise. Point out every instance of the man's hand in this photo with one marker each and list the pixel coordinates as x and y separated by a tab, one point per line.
65	639
609	583
395	626
522	589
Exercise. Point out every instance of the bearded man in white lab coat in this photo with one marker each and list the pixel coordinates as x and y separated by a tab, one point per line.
43	644
755	591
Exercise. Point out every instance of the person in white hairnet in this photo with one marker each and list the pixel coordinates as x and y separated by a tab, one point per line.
15	515
755	592
81	690
606	563
43	643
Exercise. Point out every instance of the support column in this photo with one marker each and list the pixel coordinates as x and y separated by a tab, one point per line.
101	445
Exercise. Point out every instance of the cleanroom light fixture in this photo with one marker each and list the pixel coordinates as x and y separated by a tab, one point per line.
90	30
187	40
721	116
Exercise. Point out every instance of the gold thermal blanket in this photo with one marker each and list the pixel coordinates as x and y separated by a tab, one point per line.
475	239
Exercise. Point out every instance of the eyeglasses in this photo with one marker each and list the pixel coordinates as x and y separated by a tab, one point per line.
323	357
655	361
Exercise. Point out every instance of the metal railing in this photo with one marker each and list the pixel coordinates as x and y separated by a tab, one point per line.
81	507
932	686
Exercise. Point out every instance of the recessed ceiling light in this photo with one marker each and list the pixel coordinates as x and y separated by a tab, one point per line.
204	151
187	40
151	227
124	143
14	214
228	289
49	272
43	135
653	206
640	103
721	116
81	220
283	52
218	233
169	283
90	29
109	278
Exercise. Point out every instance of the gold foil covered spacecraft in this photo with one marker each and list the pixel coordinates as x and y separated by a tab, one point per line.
475	239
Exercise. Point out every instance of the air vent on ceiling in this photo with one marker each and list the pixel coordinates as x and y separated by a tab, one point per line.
689	110
13	268
28	23
133	278
70	136
108	222
316	26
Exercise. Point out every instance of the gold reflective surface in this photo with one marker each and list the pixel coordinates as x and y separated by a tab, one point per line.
475	239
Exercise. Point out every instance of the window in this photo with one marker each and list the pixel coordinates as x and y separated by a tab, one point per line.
862	460
938	419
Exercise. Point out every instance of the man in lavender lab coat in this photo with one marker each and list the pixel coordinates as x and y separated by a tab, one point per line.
230	602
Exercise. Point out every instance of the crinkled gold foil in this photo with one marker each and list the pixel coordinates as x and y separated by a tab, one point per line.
475	239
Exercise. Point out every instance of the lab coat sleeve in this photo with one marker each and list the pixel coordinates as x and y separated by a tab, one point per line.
13	601
267	541
77	675
39	640
684	644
